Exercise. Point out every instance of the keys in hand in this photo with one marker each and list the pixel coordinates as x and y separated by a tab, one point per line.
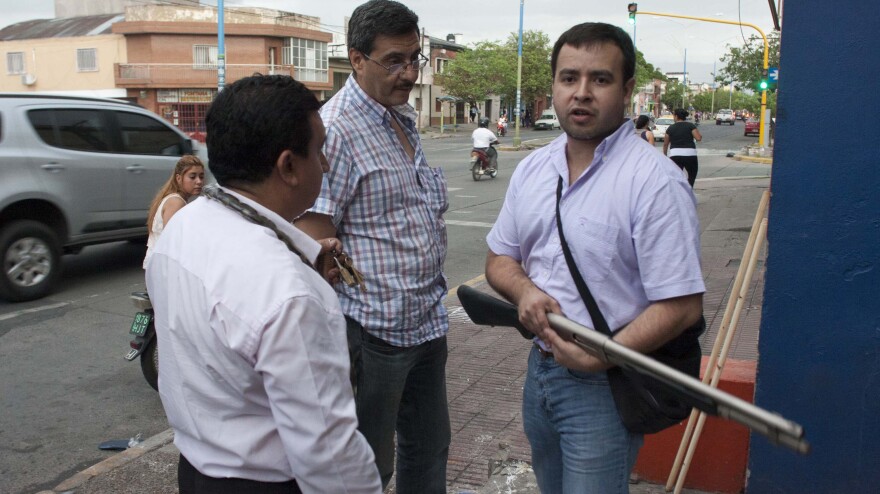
349	274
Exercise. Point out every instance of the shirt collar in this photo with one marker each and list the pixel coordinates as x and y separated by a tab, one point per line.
372	108
308	246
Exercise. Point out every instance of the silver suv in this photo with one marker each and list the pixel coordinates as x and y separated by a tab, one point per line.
74	171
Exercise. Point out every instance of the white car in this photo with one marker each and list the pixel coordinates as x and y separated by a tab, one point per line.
547	121
660	126
724	116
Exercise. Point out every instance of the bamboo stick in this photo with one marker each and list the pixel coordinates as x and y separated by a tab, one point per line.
722	331
725	348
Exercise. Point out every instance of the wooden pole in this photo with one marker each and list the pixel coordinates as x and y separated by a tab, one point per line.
725	348
722	332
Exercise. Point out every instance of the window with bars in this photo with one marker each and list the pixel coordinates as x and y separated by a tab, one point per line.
308	57
86	60
15	62
205	57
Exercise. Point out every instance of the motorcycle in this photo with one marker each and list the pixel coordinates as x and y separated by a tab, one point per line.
484	162
502	129
144	344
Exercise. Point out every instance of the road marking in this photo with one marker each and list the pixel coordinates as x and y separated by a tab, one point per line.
469	197
17	313
462	212
453	189
469	223
470	282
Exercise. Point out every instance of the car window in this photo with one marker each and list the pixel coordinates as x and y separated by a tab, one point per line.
78	129
664	121
145	135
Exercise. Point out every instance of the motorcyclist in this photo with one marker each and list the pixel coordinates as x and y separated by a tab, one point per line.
483	139
502	125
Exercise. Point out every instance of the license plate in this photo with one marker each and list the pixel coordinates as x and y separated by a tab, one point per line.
141	322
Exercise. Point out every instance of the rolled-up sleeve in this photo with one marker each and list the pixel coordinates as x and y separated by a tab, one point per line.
503	238
303	359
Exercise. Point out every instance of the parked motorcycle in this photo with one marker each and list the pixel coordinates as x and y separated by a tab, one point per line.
144	344
484	162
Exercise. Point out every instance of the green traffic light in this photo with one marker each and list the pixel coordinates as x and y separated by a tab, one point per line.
763	85
632	18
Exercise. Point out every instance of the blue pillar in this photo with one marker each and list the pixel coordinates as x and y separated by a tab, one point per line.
820	331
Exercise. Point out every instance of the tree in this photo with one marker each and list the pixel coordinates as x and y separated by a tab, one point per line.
490	68
645	71
745	64
673	95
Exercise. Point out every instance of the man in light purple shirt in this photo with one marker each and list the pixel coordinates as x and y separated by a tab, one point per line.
631	225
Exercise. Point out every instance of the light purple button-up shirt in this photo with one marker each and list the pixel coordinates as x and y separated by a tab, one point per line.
630	221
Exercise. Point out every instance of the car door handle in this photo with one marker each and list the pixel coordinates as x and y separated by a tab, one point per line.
53	167
135	168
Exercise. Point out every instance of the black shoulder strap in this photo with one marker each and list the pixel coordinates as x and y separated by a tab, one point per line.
589	301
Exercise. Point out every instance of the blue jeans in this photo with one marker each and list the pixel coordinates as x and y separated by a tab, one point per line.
579	444
403	390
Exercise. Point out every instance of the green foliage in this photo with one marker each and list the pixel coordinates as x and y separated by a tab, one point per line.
673	96
490	68
743	65
645	71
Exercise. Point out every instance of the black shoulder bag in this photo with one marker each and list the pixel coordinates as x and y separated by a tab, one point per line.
644	404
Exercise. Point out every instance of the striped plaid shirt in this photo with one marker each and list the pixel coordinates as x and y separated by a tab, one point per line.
388	213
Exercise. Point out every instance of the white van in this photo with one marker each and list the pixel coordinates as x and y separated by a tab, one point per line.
547	121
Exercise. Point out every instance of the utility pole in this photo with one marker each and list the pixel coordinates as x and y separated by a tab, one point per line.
713	88
221	49
516	139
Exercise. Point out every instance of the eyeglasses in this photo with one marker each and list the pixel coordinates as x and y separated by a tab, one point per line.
395	69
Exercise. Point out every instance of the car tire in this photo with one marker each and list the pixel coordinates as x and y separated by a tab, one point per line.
30	257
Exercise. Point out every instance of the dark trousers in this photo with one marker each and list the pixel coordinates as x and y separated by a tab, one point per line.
192	481
402	390
689	164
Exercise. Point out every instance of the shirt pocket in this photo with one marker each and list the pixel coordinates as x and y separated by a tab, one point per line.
438	195
594	247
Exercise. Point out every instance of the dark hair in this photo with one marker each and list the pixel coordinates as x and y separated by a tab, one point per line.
376	17
681	113
252	121
590	34
642	121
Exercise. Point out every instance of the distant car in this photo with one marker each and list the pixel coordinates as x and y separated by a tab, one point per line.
752	127
724	116
548	121
660	127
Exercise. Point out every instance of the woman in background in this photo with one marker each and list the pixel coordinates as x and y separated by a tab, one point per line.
643	130
681	144
185	183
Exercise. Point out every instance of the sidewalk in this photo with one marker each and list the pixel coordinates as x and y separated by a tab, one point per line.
486	370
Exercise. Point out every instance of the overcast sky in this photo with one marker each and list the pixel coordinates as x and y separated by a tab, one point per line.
664	41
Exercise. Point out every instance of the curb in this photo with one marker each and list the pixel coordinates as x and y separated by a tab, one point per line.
753	159
113	462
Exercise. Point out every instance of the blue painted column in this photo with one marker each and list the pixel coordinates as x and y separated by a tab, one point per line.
820	332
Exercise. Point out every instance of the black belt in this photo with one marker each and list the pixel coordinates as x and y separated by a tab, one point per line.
192	481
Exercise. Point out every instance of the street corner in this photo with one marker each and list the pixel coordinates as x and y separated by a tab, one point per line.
753	159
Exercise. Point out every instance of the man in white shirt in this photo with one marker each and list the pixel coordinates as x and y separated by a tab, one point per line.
483	139
254	374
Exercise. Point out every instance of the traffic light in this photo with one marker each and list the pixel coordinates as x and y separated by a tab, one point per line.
632	9
764	83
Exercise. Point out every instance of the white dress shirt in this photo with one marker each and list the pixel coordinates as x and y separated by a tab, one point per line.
254	366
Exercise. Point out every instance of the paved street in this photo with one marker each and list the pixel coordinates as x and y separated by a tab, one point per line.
66	388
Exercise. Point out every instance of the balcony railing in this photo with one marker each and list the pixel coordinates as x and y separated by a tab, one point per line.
193	75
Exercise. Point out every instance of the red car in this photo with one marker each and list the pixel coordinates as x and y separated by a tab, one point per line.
752	127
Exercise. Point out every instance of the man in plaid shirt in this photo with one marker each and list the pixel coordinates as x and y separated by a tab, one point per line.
386	205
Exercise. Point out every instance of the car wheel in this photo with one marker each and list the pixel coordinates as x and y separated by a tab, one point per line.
31	260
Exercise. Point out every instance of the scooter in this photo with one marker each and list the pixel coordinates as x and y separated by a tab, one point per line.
144	344
484	162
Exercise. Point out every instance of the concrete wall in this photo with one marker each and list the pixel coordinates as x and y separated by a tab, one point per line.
53	62
820	333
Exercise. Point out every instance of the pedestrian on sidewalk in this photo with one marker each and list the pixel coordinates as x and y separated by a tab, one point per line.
633	234
680	144
254	375
386	205
643	130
